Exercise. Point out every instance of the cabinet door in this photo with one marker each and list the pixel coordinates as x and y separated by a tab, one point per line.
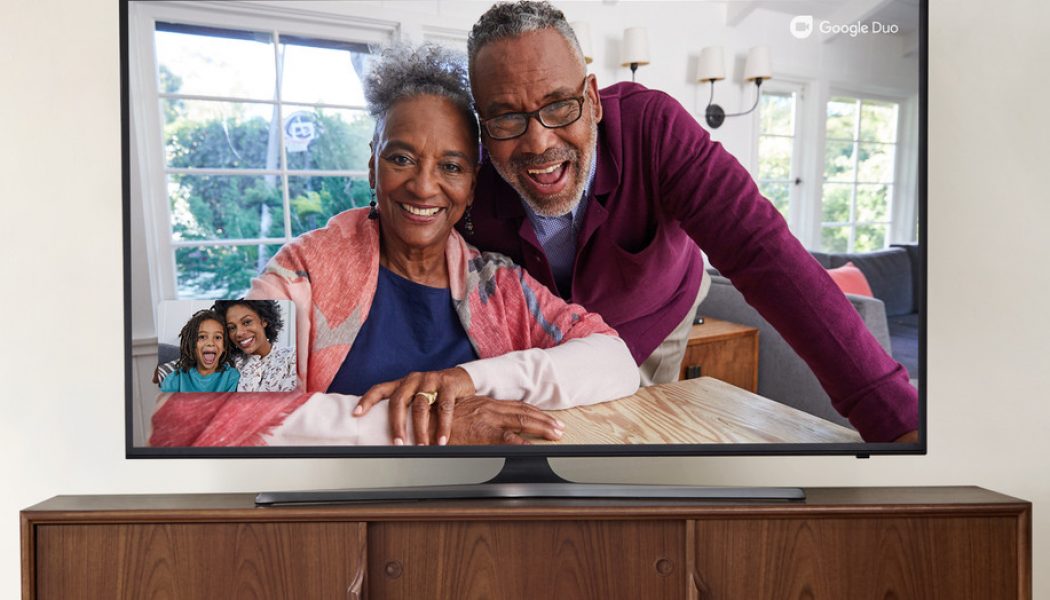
733	360
949	558
508	560
206	561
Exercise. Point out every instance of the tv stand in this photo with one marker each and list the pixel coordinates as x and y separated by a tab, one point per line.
529	477
917	543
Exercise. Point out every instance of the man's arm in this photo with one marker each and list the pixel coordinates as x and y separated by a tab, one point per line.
719	206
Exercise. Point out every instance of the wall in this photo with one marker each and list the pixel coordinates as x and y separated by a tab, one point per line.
62	429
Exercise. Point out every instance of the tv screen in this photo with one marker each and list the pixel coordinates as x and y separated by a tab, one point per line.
569	229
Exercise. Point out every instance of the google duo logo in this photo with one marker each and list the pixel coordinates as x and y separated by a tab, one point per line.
802	26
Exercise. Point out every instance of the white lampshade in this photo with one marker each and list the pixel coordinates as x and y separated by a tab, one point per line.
758	65
635	46
712	64
583	36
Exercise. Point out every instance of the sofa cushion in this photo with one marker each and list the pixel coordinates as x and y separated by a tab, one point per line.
851	280
889	273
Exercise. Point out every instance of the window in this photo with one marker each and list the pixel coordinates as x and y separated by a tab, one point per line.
859	174
265	137
776	174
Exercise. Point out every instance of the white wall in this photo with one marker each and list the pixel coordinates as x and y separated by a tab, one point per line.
60	183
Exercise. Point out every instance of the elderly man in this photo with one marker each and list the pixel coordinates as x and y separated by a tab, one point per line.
607	195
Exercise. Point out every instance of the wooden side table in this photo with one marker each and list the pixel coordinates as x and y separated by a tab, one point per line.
723	350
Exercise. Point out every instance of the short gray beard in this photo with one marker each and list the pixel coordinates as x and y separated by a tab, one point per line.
566	205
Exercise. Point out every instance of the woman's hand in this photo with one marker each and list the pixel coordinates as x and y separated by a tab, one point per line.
482	420
415	389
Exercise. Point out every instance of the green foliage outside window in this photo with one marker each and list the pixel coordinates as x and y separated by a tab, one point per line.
239	207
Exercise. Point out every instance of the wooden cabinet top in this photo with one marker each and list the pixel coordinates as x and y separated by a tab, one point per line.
716	329
889	501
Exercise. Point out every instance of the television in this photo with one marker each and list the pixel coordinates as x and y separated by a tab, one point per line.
245	128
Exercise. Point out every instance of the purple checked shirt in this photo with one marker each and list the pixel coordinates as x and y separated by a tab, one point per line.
557	236
662	190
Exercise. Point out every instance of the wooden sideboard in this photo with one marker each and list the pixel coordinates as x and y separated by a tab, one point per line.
909	543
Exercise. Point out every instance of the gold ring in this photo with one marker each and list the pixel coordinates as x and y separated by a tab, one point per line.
430	397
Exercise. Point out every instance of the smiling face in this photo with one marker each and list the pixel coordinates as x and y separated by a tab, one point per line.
423	168
210	346
547	167
247	331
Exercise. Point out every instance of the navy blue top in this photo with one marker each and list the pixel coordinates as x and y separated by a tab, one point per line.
411	327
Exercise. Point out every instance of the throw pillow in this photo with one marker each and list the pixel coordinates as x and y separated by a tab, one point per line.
851	280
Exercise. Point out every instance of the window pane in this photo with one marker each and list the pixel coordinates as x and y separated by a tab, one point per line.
774	157
219	271
878	121
314	200
777	193
873	202
842	119
777	114
835	202
327	139
869	238
835	239
225	207
219	135
838	161
215	62
875	163
323	72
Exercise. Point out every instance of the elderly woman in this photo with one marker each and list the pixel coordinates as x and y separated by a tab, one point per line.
392	303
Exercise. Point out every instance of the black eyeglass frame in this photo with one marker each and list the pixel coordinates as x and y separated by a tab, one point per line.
536	114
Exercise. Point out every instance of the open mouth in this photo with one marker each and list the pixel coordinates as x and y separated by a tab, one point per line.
209	357
420	211
246	343
550	179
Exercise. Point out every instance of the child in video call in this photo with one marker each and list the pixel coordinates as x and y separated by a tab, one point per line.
205	363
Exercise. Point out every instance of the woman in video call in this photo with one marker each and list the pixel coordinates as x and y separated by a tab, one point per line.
392	303
252	326
204	363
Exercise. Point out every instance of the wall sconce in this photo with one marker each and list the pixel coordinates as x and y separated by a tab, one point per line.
583	36
635	50
711	67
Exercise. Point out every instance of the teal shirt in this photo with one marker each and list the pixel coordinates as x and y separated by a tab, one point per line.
192	381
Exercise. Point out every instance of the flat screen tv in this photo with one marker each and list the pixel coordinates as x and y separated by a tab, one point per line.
765	158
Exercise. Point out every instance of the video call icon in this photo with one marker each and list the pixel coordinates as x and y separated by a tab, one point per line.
802	26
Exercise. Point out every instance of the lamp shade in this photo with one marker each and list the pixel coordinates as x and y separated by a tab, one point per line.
583	36
758	65
712	64
635	46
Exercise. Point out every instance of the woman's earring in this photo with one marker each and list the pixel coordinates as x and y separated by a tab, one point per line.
373	212
468	223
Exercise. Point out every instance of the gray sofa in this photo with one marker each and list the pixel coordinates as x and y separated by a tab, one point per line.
782	375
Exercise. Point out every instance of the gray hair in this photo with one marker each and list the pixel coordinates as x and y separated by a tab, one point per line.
508	20
401	71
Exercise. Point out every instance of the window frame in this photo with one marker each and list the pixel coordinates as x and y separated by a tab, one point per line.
797	191
148	161
899	177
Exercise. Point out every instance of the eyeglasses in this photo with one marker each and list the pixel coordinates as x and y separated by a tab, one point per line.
559	113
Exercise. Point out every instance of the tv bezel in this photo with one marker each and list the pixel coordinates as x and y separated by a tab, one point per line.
860	450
